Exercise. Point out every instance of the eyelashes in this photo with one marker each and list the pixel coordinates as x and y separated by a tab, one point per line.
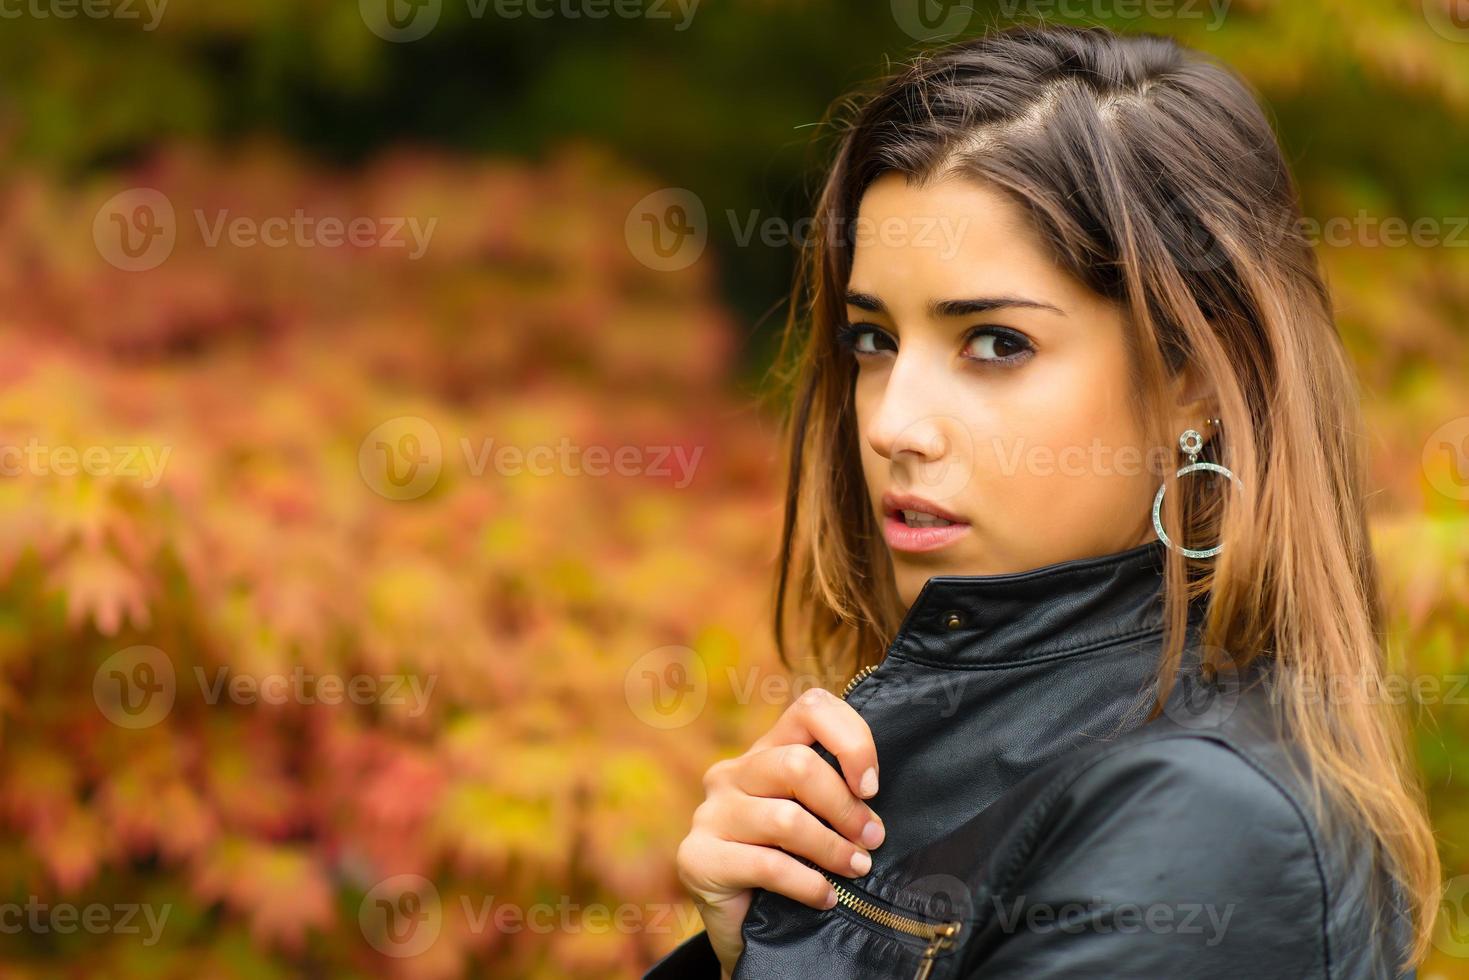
988	344
864	339
1001	343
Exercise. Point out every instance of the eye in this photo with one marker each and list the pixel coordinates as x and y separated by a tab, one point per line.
864	339
998	344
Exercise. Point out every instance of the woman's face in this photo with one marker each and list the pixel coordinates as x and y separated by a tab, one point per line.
996	422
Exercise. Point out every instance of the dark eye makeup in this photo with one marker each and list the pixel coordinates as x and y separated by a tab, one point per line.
864	339
987	345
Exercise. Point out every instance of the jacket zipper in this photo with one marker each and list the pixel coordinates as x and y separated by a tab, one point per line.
857	678
939	935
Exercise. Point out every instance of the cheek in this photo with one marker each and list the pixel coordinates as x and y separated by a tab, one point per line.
1063	449
866	397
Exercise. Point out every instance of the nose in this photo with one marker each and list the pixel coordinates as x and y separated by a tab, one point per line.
910	420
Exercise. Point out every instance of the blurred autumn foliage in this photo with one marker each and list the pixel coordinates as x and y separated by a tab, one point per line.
519	602
504	619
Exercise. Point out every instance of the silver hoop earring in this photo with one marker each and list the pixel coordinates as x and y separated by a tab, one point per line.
1191	443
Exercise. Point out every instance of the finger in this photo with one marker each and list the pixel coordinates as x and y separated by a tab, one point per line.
737	864
789	826
820	716
797	773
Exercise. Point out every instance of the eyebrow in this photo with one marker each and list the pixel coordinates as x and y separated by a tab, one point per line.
956	307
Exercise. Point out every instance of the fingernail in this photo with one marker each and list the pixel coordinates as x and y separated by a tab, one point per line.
868	786
872	834
831	898
861	862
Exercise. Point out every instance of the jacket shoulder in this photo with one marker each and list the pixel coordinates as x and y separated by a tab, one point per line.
1167	854
1195	840
1201	779
1205	816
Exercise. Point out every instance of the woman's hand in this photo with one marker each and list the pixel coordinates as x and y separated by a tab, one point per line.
762	807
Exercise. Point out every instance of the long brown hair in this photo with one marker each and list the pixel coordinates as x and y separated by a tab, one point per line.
1153	176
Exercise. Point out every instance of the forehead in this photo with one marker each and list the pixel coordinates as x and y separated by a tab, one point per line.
949	238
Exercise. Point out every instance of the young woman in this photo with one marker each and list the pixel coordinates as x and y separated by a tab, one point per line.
1076	495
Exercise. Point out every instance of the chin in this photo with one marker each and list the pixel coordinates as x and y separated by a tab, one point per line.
910	576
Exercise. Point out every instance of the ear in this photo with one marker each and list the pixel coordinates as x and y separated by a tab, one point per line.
1193	403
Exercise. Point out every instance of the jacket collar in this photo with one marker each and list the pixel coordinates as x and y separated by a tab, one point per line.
1032	616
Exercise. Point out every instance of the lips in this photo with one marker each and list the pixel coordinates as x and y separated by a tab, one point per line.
912	524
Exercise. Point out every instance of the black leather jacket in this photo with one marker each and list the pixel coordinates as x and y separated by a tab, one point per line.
1039	826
